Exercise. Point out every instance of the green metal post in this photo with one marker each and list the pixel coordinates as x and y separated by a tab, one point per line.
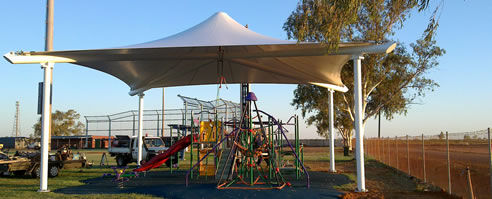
171	140
251	173
179	138
198	148
281	144
296	135
302	154
270	138
192	143
216	138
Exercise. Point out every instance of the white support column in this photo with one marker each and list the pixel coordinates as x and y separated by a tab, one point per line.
45	133
359	127
331	129
140	127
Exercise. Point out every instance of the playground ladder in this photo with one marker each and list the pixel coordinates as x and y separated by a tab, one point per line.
224	164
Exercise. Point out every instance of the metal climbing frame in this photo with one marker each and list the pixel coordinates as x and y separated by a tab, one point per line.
256	151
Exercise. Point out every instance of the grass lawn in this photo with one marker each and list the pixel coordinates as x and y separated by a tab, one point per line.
15	187
26	187
316	159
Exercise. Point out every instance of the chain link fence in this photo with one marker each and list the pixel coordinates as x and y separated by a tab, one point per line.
459	163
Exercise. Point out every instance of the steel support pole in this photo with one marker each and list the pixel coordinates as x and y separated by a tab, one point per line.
140	127
384	154
157	133
46	113
408	157
490	160
423	159
50	6
449	164
133	129
109	131
331	128
396	143
389	150
163	110
45	133
86	133
48	45
359	128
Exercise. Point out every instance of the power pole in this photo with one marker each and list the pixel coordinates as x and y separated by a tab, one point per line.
16	129
46	113
48	46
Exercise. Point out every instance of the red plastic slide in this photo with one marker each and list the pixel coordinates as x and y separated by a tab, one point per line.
163	157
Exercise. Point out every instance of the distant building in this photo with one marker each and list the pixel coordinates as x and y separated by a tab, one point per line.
14	142
78	142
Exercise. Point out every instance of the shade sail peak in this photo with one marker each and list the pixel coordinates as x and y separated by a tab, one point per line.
218	30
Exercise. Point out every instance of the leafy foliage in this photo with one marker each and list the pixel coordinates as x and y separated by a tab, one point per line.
390	83
332	21
62	124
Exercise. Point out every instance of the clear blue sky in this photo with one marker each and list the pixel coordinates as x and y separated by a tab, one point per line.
461	103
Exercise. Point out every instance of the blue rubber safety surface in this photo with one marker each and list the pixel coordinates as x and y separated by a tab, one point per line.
167	185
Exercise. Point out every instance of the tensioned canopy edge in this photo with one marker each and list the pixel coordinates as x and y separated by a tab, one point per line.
217	48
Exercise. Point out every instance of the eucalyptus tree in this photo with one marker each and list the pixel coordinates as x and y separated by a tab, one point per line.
390	83
62	124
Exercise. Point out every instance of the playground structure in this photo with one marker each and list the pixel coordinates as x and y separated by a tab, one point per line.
248	157
251	154
120	175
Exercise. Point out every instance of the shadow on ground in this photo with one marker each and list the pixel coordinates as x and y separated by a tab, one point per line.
165	184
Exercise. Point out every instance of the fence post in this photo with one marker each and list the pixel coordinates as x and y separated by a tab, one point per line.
470	186
379	151
133	129
157	134
384	154
423	158
109	133
371	147
396	142
490	161
389	151
408	156
449	165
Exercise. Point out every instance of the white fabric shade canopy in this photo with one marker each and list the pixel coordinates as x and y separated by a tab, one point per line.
219	46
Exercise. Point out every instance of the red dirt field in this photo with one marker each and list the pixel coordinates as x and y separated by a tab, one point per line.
381	181
462	155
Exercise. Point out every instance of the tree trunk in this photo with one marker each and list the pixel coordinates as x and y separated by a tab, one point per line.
350	136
